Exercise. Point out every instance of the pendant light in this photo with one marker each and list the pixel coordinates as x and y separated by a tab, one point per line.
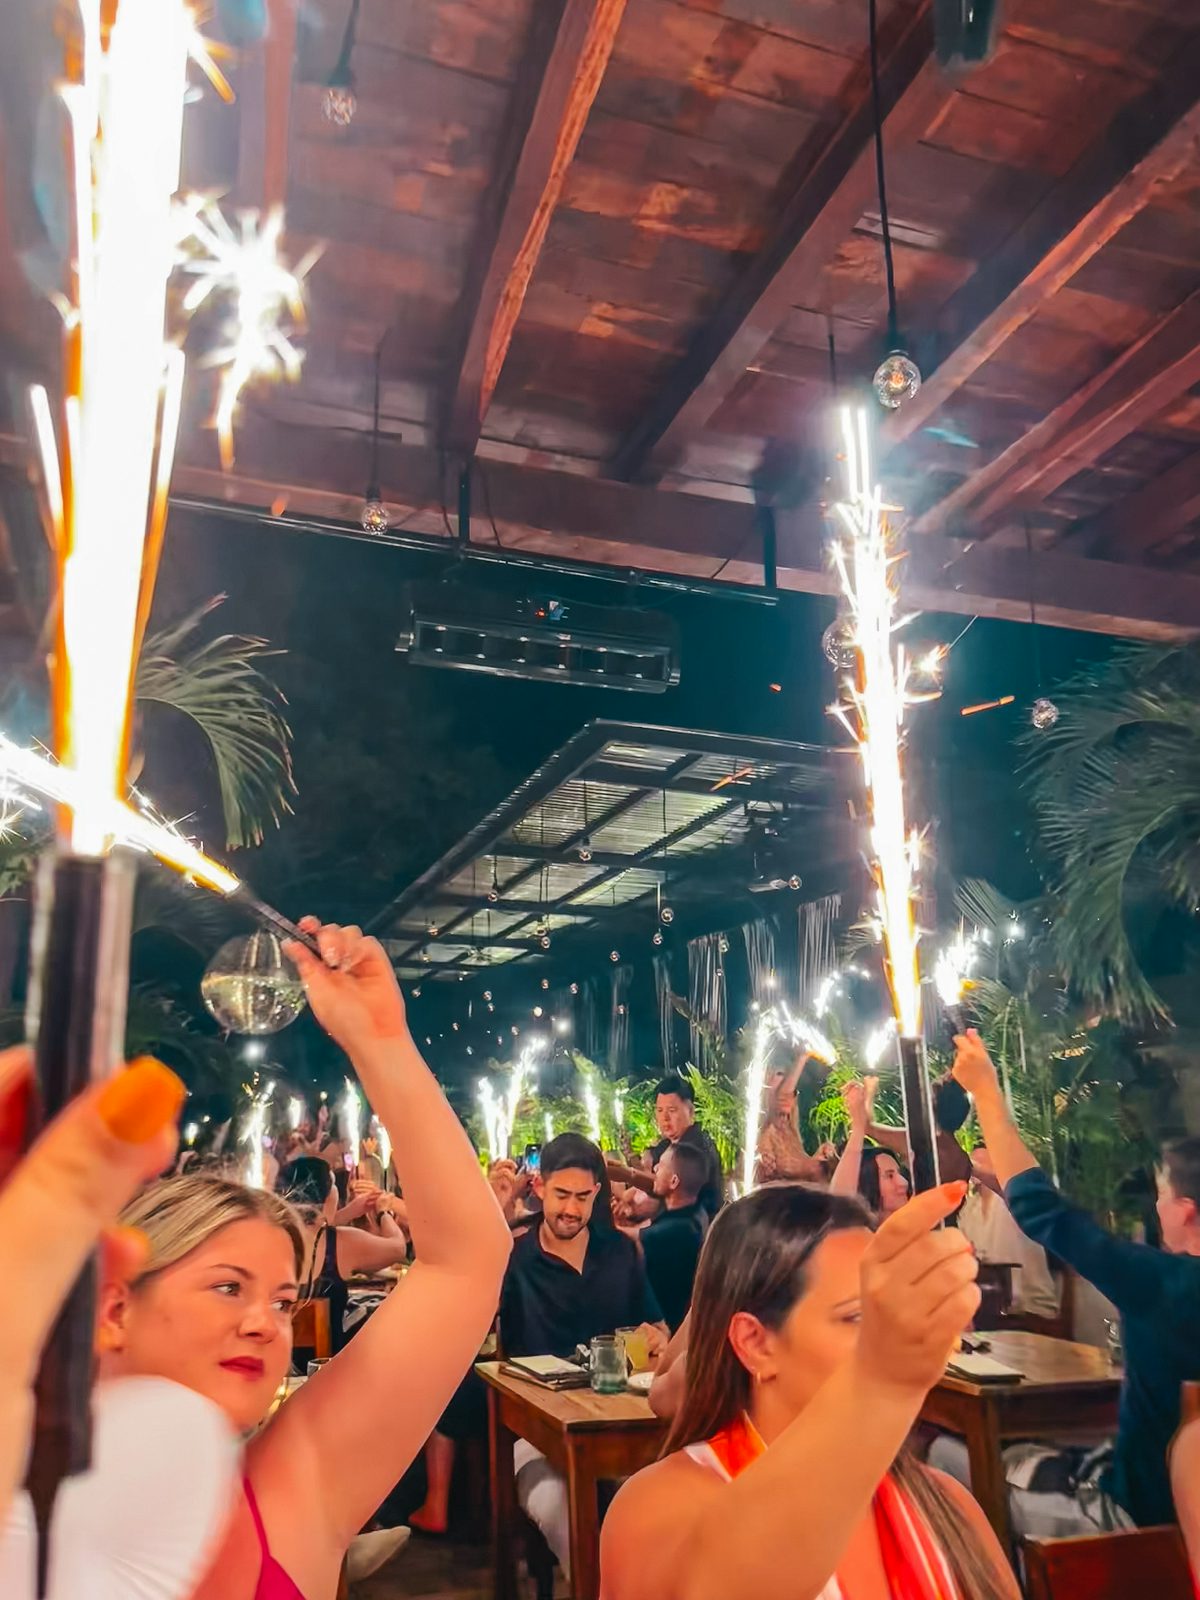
340	101
374	517
897	377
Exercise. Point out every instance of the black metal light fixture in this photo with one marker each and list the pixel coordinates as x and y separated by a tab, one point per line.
340	101
897	377
374	517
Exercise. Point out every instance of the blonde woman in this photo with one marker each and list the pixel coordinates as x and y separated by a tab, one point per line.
213	1307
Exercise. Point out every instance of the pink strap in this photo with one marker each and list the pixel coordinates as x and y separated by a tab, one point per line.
256	1517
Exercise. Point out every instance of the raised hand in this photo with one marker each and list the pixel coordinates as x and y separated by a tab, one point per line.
918	1292
973	1067
351	987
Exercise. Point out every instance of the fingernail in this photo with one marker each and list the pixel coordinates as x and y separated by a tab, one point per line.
140	1101
956	1189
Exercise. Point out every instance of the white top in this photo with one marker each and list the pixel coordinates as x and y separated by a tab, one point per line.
990	1226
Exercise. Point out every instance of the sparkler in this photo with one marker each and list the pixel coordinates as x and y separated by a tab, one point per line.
548	1124
384	1139
876	697
263	292
351	1109
297	1112
493	1120
877	1043
591	1104
619	1110
254	1134
952	978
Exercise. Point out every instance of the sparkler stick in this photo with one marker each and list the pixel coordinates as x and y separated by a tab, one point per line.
876	697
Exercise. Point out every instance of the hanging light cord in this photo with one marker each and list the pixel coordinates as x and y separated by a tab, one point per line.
375	425
1033	622
881	176
341	71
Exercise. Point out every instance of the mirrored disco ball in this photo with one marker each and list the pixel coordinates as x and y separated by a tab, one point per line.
839	643
1044	714
250	986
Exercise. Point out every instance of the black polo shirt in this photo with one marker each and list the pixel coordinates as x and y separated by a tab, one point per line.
712	1195
547	1308
671	1246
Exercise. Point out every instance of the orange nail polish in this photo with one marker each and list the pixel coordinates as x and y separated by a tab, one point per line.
141	1101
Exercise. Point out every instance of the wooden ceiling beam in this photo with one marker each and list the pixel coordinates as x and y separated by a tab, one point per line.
1155	370
564	62
1148	141
263	82
568	517
814	221
1124	530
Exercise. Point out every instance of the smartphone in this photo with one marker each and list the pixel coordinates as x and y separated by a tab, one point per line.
533	1158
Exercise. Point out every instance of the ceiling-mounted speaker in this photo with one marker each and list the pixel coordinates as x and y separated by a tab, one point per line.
964	31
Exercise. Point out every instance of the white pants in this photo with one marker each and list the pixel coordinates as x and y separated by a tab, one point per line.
542	1496
1036	1514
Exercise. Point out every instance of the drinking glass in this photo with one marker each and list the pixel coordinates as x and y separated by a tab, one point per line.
607	1364
637	1351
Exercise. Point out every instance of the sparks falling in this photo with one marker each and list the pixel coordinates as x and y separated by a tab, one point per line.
953	968
873	713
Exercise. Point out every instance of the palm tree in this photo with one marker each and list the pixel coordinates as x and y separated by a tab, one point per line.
1116	787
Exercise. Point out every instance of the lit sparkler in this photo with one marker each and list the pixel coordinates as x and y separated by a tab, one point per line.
351	1110
876	1044
384	1139
952	977
875	698
264	293
765	1033
297	1112
254	1133
591	1104
800	1031
493	1120
619	1110
548	1124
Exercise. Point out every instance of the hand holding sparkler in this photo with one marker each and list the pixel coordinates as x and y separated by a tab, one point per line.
351	988
973	1068
70	1187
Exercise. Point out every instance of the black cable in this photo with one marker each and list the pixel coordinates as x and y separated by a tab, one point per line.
881	178
487	505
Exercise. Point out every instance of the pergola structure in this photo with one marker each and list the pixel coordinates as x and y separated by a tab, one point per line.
620	823
606	249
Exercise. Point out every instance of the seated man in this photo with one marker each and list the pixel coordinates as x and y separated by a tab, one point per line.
993	1232
1157	1293
670	1245
571	1276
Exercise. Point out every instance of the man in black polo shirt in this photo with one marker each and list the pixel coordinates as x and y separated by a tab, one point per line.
671	1243
570	1278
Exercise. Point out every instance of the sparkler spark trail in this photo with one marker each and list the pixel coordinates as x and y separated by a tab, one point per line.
548	1123
126	122
877	1042
876	698
493	1120
774	1023
385	1147
953	968
254	1132
591	1104
264	294
351	1109
297	1111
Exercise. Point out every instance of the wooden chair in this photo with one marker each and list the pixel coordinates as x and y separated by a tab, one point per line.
310	1328
1109	1566
1058	1327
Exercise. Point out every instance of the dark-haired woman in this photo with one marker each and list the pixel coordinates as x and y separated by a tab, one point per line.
812	1346
870	1171
334	1253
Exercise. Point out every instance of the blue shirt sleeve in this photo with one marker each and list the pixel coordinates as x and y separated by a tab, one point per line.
1132	1276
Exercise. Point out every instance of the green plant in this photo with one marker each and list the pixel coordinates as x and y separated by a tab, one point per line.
1116	787
217	684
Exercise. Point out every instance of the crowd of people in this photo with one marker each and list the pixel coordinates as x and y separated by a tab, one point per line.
793	1333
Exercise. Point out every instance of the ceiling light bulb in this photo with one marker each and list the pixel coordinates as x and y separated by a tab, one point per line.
897	379
374	516
614	955
585	850
840	643
339	104
1044	713
666	916
658	938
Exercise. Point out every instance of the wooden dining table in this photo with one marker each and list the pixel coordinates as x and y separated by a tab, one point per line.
587	1437
1065	1390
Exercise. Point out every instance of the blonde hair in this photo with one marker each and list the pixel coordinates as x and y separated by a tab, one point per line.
177	1215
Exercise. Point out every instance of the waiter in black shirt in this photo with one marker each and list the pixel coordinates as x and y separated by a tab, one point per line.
675	1114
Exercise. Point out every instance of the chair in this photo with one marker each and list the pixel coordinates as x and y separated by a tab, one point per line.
1109	1566
310	1328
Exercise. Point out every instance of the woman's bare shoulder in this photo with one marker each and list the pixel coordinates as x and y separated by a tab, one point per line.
649	1528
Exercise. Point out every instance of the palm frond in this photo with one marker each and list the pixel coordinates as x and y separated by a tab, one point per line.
1116	785
217	684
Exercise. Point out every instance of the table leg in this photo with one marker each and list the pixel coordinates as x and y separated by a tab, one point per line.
504	1501
988	1483
583	1508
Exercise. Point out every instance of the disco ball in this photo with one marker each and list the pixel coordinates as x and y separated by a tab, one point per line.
839	643
1044	714
614	955
658	938
666	916
897	379
250	986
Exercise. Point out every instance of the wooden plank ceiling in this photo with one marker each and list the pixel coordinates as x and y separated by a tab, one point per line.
604	246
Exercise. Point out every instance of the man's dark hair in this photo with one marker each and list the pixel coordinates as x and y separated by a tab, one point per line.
951	1105
674	1084
691	1168
1181	1161
306	1181
573	1150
